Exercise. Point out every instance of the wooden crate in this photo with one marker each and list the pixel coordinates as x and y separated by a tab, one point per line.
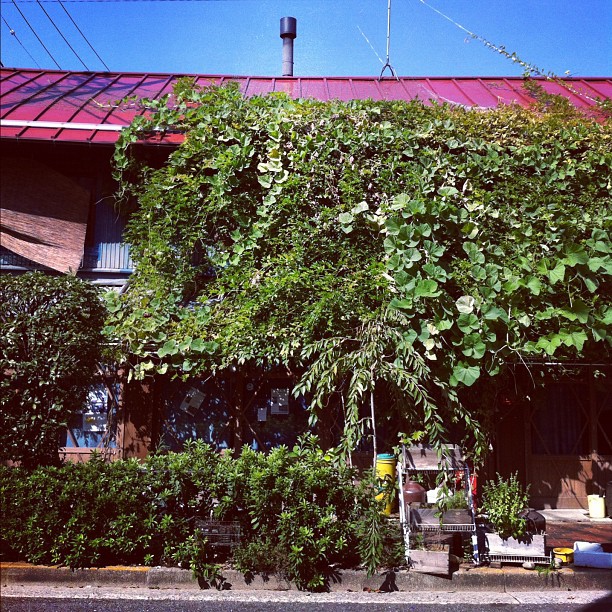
430	561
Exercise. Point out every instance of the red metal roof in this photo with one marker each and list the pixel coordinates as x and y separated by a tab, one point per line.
82	106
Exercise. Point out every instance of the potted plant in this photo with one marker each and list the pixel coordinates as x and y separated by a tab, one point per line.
454	509
450	509
503	503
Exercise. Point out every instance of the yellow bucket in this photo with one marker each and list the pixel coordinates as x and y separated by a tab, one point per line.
565	555
385	470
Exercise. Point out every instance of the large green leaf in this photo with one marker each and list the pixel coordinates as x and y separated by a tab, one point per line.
466	374
426	288
467	322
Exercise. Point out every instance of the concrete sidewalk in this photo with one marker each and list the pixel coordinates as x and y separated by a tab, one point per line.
467	578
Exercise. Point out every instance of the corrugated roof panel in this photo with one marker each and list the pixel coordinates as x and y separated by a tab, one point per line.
340	89
601	86
477	92
72	135
509	91
120	113
62	100
446	90
258	86
93	99
30	98
594	89
415	89
103	137
207	81
288	86
391	89
13	80
366	89
569	91
11	132
314	88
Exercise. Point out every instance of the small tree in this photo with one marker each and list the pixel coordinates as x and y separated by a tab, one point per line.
50	343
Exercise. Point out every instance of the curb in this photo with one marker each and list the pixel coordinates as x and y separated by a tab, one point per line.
465	579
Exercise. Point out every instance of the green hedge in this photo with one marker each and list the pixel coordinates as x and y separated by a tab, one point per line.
300	512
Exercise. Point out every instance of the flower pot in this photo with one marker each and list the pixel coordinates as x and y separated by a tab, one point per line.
430	518
457	516
532	545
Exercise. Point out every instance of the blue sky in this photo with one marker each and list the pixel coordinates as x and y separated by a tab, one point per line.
335	37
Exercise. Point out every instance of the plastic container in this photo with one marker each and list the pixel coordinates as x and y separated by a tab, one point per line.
385	470
591	554
565	555
413	492
597	506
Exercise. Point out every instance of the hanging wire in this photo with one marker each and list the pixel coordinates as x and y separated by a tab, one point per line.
60	33
13	33
512	56
371	47
83	35
388	63
116	1
37	36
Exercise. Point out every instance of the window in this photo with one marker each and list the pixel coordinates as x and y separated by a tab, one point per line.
95	426
560	419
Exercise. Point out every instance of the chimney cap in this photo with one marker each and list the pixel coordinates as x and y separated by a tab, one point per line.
288	27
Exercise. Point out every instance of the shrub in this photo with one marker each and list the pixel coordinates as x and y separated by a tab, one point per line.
503	500
300	512
50	343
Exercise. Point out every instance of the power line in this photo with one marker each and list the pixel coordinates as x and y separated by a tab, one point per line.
13	33
111	1
83	35
37	36
42	8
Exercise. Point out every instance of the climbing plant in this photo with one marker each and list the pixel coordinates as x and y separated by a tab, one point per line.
365	245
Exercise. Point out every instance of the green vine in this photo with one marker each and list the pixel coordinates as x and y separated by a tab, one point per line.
365	245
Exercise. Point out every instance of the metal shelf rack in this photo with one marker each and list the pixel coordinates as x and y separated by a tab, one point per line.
425	459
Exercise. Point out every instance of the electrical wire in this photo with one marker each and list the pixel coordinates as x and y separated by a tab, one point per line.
115	1
13	33
83	35
371	47
37	36
530	68
42	8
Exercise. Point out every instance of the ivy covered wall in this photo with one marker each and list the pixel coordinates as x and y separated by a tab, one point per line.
366	245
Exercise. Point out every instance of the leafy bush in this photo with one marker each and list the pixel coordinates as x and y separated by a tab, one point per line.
308	507
300	512
503	500
50	343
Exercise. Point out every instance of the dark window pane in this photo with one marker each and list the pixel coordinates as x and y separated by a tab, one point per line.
559	421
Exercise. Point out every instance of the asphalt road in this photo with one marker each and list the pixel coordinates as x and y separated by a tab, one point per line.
37	599
117	605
